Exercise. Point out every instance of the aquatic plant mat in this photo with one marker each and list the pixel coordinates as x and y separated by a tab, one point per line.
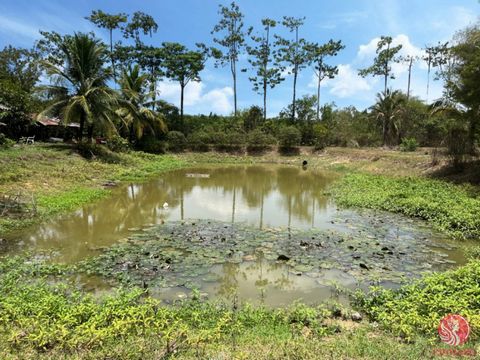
358	247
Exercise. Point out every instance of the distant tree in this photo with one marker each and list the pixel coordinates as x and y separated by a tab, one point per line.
140	23
389	110
19	73
293	53
133	109
230	28
80	84
409	60
109	22
459	68
268	73
433	59
252	118
305	109
183	65
386	54
318	53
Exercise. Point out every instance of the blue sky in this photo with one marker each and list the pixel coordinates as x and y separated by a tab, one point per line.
358	23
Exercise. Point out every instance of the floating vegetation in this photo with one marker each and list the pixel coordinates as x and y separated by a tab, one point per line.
369	248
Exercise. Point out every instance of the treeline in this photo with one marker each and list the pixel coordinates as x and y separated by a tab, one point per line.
111	89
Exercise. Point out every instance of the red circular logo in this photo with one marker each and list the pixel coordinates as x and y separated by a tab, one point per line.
454	330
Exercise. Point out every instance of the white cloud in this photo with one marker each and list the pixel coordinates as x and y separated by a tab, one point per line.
9	25
217	100
347	83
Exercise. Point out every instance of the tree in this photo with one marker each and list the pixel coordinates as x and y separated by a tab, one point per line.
293	52
183	65
460	70
233	40
140	22
19	73
322	70
109	22
386	54
80	84
261	56
389	110
133	109
409	60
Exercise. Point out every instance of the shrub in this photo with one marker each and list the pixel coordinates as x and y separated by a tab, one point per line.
198	141
409	144
417	308
152	145
118	144
289	137
98	152
218	140
234	141
5	142
258	141
320	136
176	141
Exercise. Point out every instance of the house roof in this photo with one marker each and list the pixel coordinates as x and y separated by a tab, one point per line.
54	122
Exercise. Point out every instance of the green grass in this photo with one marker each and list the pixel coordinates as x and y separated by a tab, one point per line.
41	319
59	180
417	308
451	208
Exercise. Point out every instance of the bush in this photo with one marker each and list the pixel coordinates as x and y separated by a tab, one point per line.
289	137
118	144
176	141
409	144
98	152
5	142
234	141
218	140
320	136
258	141
417	308
152	145
198	141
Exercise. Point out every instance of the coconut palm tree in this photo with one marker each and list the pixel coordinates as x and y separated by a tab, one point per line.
80	84
389	110
134	103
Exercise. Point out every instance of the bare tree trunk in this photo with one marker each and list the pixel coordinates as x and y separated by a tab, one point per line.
318	95
182	91
111	58
294	95
409	77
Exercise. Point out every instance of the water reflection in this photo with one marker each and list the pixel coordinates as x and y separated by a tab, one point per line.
263	196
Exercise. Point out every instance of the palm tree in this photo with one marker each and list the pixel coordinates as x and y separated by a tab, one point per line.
81	90
133	109
389	109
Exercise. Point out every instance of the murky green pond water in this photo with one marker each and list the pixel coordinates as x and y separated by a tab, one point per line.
265	233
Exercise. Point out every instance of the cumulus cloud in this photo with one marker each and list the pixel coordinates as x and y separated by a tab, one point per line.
217	100
347	83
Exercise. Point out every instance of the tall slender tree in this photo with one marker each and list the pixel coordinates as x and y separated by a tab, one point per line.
386	54
232	39
109	22
318	54
409	60
183	65
433	59
268	73
293	53
140	23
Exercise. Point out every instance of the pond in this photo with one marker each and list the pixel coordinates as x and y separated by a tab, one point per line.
266	234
